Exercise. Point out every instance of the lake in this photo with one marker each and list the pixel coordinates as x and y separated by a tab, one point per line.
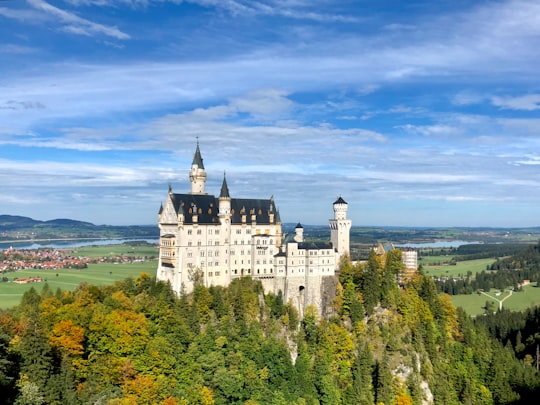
69	243
438	244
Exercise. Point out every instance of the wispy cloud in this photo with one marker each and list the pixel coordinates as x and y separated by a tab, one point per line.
44	12
529	102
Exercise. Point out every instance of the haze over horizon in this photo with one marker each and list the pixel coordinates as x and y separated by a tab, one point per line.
417	113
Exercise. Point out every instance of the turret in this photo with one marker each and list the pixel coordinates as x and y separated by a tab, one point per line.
340	227
224	200
197	175
299	233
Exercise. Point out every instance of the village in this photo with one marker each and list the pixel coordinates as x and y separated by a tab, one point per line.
12	260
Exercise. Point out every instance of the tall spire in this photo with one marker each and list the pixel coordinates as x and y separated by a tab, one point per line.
224	188
197	158
197	175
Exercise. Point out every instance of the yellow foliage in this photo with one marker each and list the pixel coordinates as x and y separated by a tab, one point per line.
403	399
68	337
207	396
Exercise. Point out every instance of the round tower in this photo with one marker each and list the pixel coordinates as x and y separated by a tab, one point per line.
224	200
197	175
299	233
340	227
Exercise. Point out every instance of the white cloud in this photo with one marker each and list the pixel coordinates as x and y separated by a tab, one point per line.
75	24
529	102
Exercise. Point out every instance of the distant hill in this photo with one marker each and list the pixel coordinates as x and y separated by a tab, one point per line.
13	227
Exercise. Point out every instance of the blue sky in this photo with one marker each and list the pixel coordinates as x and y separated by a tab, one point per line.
418	113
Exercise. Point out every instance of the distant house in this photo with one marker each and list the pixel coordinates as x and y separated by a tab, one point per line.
27	280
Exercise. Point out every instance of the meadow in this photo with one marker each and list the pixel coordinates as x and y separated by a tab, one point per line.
474	304
457	270
125	249
97	274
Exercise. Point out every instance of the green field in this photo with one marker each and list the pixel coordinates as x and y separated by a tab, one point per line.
459	269
69	279
474	304
144	250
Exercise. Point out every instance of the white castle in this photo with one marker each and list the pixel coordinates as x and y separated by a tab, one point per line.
215	240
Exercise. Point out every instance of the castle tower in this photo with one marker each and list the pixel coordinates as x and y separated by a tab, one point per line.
224	201
299	233
197	175
340	227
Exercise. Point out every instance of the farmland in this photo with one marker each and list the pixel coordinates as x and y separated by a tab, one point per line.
474	304
144	260
69	279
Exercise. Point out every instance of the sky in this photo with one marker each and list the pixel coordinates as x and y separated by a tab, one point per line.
417	113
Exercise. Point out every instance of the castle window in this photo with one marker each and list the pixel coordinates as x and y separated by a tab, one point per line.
217	273
199	211
189	243
190	231
217	232
199	231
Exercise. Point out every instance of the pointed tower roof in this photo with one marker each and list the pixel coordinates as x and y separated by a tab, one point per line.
278	217
224	188
340	201
197	158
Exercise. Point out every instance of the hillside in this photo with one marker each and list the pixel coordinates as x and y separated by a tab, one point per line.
23	228
137	343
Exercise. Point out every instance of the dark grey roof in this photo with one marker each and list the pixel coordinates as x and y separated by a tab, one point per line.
314	245
340	201
197	158
299	226
224	189
207	209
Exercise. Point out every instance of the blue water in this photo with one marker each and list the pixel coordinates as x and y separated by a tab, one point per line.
440	244
64	244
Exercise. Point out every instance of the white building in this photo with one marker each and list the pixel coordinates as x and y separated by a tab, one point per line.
216	239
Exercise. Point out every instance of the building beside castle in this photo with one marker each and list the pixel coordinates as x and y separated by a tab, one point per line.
214	240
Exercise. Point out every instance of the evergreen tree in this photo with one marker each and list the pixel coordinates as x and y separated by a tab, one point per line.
370	285
362	386
383	381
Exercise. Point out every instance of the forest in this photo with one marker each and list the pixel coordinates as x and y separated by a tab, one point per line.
136	342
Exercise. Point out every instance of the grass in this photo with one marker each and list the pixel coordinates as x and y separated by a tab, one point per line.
145	250
69	279
474	304
459	269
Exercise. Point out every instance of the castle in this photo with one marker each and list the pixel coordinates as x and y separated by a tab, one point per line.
215	240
